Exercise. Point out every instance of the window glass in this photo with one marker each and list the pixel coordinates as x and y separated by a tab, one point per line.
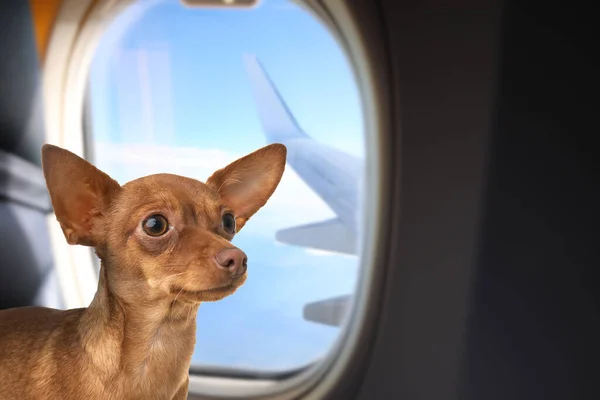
187	90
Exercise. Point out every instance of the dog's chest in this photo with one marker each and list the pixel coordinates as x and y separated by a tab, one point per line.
167	363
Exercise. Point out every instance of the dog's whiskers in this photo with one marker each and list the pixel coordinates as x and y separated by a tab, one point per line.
181	290
190	309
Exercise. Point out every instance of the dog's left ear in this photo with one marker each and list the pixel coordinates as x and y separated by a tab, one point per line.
246	184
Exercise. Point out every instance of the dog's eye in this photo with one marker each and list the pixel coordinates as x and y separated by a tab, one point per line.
155	225
228	223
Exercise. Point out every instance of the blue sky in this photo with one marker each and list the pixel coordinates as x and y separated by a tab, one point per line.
169	93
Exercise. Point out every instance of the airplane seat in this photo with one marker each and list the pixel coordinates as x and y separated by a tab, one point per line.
27	274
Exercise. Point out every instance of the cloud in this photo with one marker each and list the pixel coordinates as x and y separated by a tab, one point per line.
292	204
130	161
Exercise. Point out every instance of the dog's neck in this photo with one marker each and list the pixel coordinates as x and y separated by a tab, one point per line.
137	340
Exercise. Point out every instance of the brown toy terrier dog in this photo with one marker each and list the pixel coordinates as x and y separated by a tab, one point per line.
164	244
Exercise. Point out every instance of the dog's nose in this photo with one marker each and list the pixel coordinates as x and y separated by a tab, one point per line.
234	260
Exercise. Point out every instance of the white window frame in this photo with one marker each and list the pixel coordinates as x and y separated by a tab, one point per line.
77	30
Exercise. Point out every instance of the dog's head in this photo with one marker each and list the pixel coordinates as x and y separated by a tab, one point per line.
163	236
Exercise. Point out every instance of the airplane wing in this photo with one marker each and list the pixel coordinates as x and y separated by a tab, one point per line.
277	121
330	173
341	240
330	312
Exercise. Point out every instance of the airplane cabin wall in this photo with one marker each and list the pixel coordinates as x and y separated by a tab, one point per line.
533	328
492	289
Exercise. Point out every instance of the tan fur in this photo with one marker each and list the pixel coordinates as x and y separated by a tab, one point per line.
135	340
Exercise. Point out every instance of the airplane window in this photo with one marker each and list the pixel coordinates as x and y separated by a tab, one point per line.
186	90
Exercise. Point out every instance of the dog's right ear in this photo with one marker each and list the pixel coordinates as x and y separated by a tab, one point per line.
80	192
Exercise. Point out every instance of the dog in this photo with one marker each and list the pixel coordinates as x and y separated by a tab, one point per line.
164	242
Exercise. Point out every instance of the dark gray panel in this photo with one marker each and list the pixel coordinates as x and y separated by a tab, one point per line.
534	325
